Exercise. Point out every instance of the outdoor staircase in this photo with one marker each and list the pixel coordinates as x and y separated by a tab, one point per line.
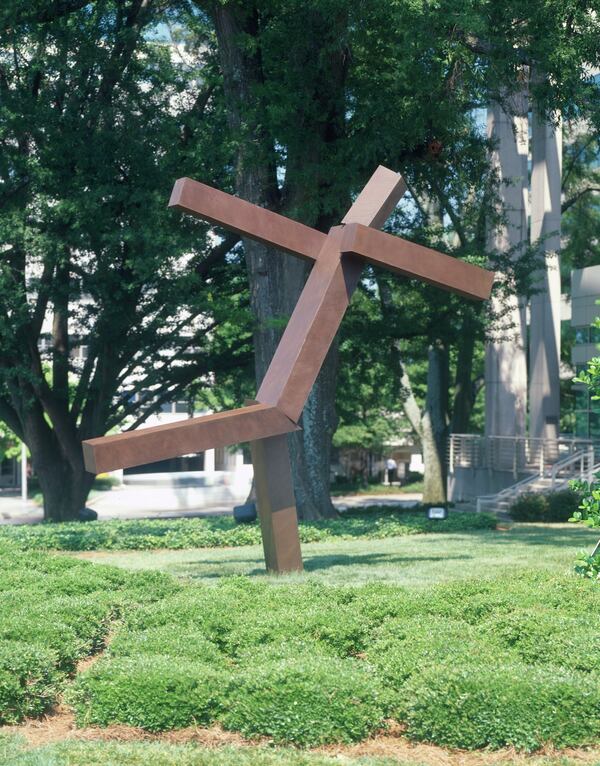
556	476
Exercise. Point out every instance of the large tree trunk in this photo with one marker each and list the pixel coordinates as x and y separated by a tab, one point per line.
275	279
65	490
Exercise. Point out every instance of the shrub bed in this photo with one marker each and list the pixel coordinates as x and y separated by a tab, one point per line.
55	611
548	507
462	665
487	663
215	532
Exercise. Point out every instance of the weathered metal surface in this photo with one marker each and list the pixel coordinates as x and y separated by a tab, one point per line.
379	197
311	329
339	257
416	261
246	219
147	445
276	504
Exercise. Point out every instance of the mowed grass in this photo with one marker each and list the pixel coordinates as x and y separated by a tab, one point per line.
14	751
414	561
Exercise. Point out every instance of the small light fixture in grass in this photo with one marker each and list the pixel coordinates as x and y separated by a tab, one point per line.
437	512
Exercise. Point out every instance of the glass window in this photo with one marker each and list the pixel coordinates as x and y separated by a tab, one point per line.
581	424
594	334
582	401
594	425
582	335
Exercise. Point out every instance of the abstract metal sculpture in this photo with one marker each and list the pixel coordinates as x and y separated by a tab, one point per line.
339	258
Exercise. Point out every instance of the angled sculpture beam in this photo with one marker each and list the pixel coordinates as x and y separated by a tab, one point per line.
147	445
246	219
417	261
339	258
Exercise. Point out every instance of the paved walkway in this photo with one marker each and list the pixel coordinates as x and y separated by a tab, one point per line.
132	502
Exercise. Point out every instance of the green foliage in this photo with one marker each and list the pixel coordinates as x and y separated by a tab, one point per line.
374	523
308	699
472	664
549	507
588	565
155	692
476	706
29	679
460	665
53	612
183	643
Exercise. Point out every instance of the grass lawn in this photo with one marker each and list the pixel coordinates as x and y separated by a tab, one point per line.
414	561
14	751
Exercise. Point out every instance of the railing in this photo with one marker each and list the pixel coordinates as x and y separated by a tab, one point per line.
517	454
578	466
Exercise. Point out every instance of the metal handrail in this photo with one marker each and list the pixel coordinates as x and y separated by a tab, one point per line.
515	489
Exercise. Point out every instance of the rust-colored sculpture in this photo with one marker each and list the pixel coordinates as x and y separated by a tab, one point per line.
339	258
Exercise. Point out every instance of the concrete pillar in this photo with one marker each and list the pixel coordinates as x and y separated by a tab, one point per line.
544	349
209	461
506	354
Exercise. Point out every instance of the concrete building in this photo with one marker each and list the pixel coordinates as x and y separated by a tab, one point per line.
585	294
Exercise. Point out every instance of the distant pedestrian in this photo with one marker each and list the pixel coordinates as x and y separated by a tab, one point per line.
392	470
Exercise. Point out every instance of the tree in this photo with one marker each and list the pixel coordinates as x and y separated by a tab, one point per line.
101	319
318	93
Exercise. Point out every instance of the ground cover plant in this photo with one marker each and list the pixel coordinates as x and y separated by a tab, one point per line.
55	611
373	523
474	663
471	664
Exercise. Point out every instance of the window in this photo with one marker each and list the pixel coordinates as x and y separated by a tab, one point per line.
581	424
582	335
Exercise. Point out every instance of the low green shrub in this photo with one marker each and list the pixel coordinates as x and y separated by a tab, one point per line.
374	523
549	507
405	646
29	680
185	643
543	637
153	692
306	699
478	706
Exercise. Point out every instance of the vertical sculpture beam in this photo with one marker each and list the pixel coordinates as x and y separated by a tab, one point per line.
276	504
297	361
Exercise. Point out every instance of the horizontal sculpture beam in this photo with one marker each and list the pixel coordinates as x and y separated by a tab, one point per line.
147	445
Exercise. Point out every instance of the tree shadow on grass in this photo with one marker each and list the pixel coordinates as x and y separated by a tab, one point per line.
328	561
545	535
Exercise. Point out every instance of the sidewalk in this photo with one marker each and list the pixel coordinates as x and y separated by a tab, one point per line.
132	502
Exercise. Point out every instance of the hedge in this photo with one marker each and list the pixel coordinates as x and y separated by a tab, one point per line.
548	507
476	706
475	663
222	531
154	692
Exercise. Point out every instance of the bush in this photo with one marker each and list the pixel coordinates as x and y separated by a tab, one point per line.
405	647
544	637
155	693
307	700
29	680
494	706
164	640
551	507
373	523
